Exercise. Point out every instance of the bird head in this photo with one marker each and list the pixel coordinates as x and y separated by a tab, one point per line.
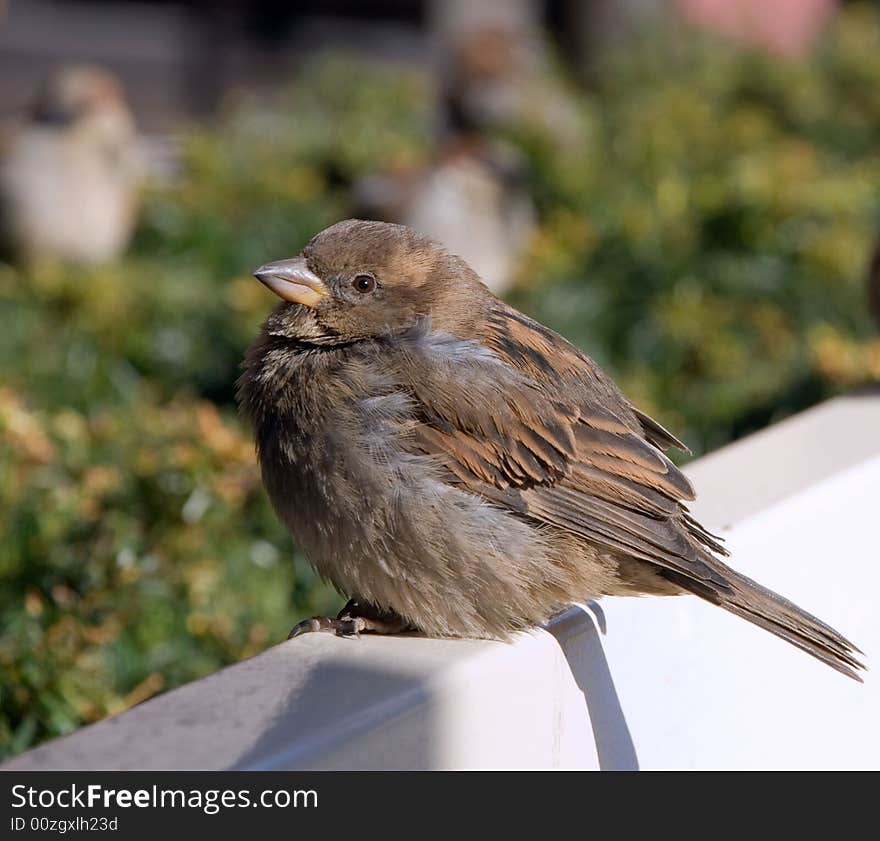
359	279
85	98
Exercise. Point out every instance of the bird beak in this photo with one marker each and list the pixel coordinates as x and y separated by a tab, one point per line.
293	281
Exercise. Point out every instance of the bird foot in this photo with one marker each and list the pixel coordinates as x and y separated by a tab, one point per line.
353	620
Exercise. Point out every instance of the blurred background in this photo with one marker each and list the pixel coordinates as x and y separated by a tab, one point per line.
687	189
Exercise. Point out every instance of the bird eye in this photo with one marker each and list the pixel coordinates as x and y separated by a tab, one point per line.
364	283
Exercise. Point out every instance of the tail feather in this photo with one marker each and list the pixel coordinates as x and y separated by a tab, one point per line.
770	611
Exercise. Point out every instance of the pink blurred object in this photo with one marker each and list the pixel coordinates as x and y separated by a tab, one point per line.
784	27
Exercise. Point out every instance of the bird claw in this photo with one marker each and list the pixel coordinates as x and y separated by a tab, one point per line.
343	626
353	620
350	626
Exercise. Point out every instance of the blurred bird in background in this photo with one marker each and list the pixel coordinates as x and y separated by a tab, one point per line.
70	173
497	71
473	199
496	75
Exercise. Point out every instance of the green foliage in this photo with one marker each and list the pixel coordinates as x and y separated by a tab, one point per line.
710	242
706	243
138	552
138	549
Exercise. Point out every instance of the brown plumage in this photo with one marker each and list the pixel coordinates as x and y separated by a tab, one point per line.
456	467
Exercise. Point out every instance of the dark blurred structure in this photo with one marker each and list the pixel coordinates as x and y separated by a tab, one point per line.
874	285
178	58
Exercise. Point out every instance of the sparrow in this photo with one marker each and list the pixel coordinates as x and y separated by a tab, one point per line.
499	74
457	468
471	198
70	173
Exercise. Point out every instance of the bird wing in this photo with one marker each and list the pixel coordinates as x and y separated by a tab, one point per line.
493	416
524	420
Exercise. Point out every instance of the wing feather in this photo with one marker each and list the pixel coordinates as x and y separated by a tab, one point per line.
521	418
